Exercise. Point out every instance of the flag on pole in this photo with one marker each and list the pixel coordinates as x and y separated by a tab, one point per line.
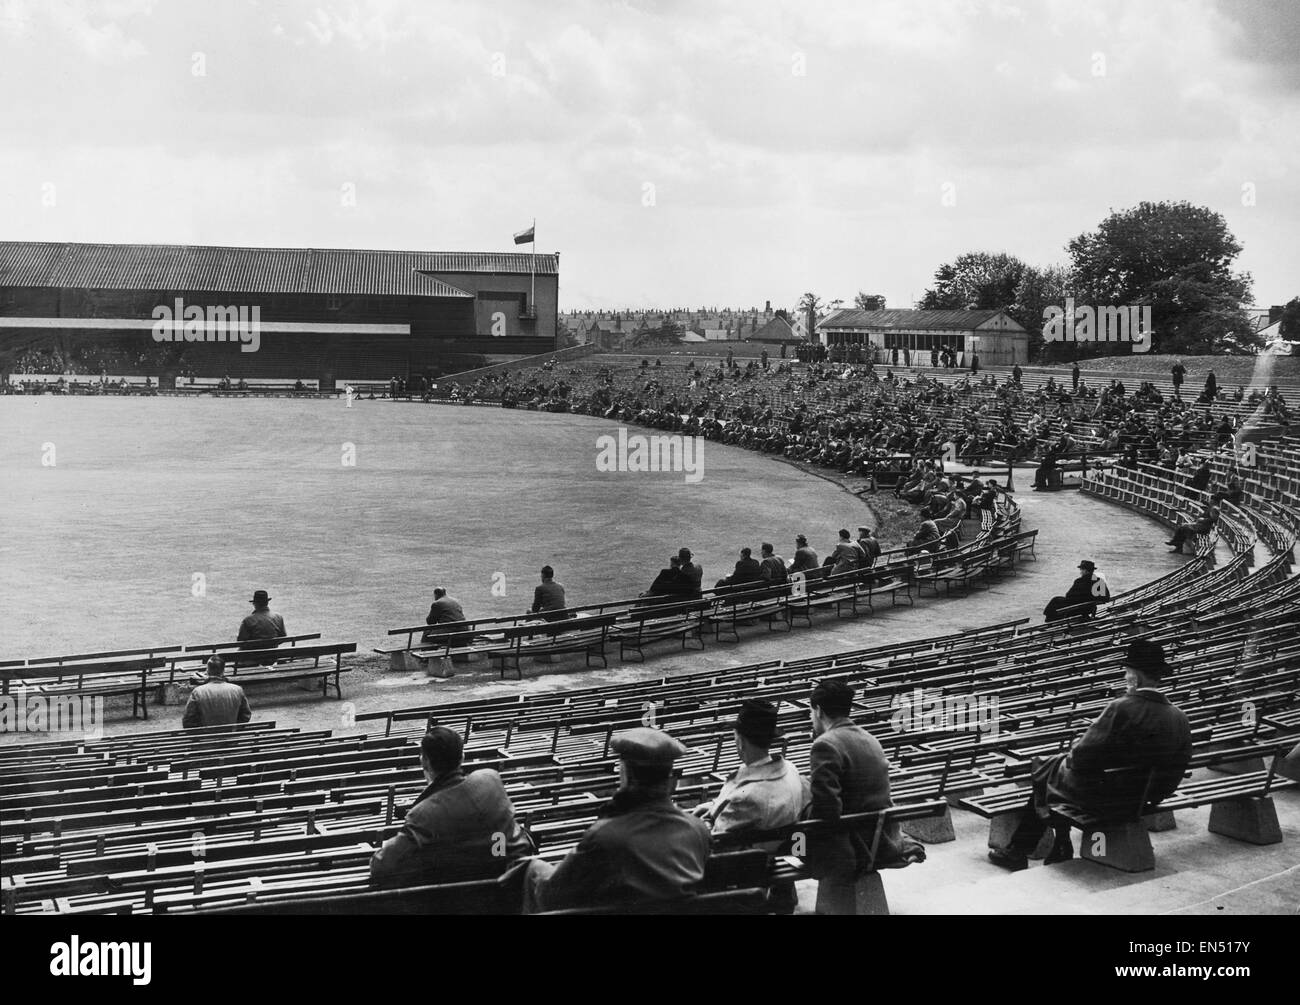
525	236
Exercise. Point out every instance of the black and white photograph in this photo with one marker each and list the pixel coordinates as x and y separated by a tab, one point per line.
640	459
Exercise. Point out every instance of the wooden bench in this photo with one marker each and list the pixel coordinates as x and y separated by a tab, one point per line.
248	667
639	628
863	895
967	568
1122	841
103	679
749	602
587	635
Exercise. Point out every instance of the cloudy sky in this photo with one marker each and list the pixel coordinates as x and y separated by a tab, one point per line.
674	153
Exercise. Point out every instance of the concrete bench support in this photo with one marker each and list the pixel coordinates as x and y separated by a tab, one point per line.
1125	846
1252	819
865	895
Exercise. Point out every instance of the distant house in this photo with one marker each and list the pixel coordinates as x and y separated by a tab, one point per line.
777	331
996	336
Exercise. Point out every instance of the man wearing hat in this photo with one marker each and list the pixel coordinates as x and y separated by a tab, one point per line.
1141	731
642	849
1083	596
216	701
258	629
691	572
870	546
766	791
805	559
461	827
848	774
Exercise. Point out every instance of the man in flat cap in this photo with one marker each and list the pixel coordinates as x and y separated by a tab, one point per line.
641	850
848	774
461	827
1083	595
1141	730
766	791
870	546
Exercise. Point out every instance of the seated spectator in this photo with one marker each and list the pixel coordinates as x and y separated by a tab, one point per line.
1142	731
1203	524
461	827
938	507
848	773
261	628
847	556
444	610
747	571
641	850
1043	473
669	582
1231	492
805	559
764	793
1088	590
548	596
216	702
1200	479
692	573
772	565
870	546
927	533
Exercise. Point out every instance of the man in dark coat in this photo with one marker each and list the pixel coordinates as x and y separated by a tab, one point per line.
692	573
259	629
1142	734
641	850
462	826
747	571
548	596
444	610
1203	524
848	773
1087	590
772	566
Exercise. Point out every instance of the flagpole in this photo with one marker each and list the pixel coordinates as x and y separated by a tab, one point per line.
532	271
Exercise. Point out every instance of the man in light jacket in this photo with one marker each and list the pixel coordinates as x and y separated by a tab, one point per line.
766	791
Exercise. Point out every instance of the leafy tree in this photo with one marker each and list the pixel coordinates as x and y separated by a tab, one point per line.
977	280
1177	258
1039	289
869	302
1290	327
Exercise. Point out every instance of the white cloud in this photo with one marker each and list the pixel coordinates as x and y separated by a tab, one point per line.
791	146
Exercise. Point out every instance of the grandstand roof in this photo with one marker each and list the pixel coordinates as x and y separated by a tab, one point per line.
911	320
249	270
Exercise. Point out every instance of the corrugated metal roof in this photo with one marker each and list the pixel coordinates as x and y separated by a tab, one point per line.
910	320
249	270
